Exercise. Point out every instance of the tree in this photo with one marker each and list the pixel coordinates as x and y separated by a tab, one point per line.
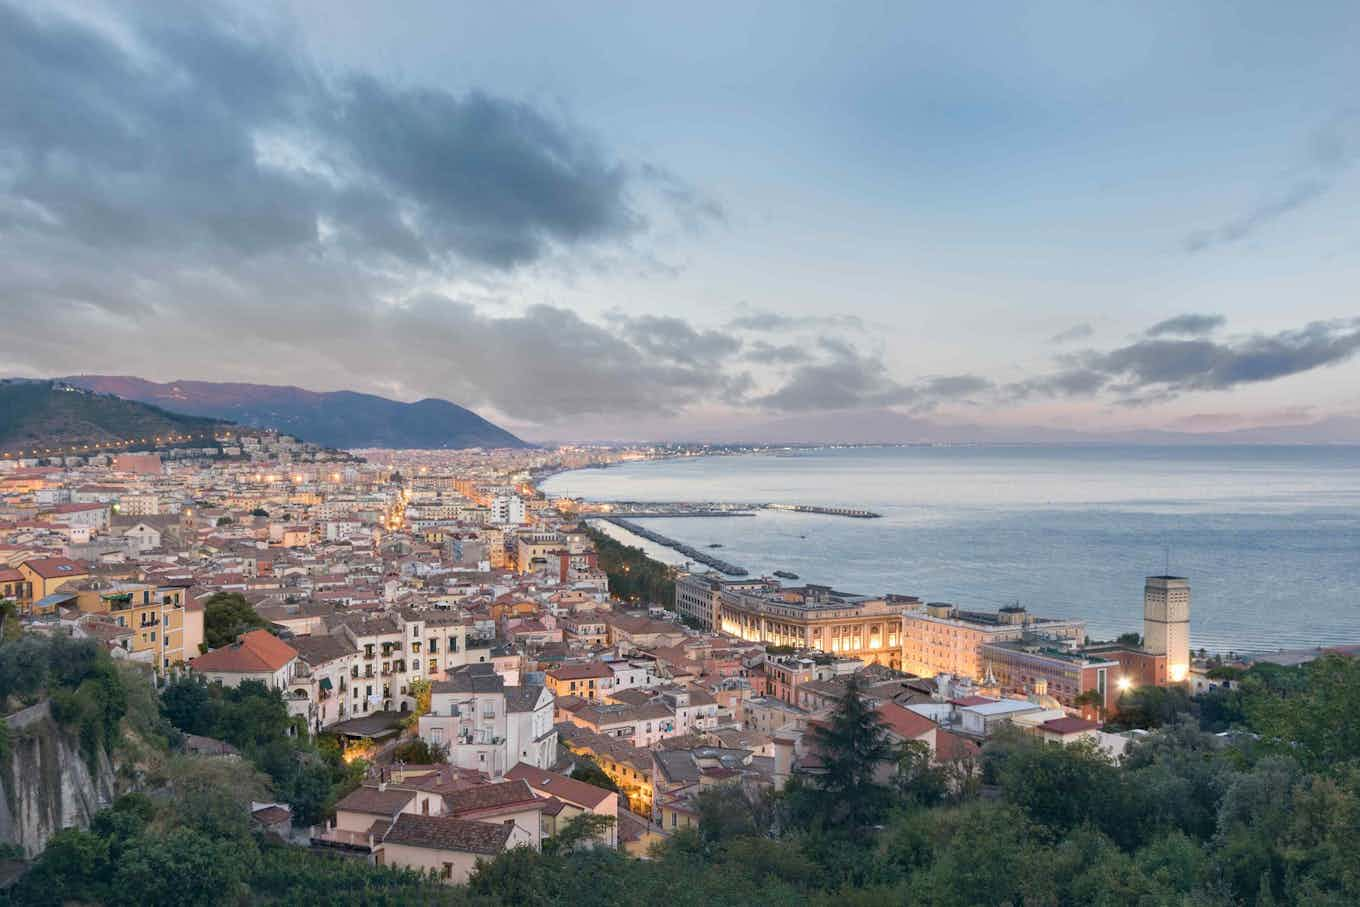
1151	707
578	831
589	771
918	780
226	615
853	745
259	511
725	812
188	705
10	628
1092	699
1309	712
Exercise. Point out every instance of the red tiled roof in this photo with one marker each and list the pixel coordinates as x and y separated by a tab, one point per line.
904	722
1069	725
448	833
950	747
581	671
55	567
255	652
560	786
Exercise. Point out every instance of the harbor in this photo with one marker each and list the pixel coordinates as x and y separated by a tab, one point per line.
688	551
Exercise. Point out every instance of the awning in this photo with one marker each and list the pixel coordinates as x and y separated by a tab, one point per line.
325	683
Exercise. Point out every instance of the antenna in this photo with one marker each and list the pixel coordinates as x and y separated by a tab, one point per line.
1167	571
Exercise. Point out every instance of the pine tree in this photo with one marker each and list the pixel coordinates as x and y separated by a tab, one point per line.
854	746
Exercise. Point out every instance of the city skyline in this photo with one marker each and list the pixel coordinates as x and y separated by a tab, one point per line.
628	224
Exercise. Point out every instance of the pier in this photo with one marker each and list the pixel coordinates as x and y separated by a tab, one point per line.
693	554
853	512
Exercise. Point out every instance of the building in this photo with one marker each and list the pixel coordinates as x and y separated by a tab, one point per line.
578	795
257	655
46	575
698	597
818	617
942	639
1043	666
507	510
1166	623
488	725
589	680
164	630
140	464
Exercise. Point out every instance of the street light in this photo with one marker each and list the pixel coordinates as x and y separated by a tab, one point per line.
1125	683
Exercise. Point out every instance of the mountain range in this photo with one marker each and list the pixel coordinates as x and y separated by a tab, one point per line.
42	417
339	419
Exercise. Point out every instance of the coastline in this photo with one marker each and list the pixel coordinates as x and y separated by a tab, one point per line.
1072	533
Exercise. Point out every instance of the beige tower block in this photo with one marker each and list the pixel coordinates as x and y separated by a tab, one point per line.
1166	623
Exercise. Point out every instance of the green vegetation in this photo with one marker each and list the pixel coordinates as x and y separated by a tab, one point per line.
226	615
1268	816
254	719
197	849
47	414
633	576
87	691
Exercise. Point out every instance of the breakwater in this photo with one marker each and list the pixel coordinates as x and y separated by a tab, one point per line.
692	553
854	512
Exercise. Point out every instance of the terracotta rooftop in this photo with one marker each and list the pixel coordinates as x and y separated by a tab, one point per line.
255	652
551	783
448	833
376	801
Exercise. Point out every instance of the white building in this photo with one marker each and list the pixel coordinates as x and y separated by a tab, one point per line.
487	725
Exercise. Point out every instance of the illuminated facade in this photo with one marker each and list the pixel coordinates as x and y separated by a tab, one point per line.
1166	623
818	617
942	639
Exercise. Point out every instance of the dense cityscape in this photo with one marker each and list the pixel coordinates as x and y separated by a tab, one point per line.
711	454
415	660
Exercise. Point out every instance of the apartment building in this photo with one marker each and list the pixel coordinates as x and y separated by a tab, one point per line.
488	725
942	639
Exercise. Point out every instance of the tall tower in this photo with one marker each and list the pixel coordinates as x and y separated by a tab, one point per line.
1166	623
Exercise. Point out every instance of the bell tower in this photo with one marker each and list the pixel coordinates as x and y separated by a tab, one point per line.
1166	623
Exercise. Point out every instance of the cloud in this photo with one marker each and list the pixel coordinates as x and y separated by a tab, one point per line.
1332	149
675	340
1155	369
193	188
1187	326
212	132
844	378
1075	332
766	353
760	320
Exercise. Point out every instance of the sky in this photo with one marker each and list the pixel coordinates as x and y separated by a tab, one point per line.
610	221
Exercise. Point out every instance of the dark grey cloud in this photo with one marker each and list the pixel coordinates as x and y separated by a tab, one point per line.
1075	332
1331	150
843	378
1189	325
671	339
1157	369
192	186
217	132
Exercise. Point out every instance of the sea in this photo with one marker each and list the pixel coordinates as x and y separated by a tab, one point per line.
1269	537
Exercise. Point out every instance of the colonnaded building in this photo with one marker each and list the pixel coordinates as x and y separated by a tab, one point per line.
816	617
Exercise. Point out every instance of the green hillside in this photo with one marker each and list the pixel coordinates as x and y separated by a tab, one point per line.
53	417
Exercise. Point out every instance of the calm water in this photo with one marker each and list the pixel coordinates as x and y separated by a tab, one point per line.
1269	536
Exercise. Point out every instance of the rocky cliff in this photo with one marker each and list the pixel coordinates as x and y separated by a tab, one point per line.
48	785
